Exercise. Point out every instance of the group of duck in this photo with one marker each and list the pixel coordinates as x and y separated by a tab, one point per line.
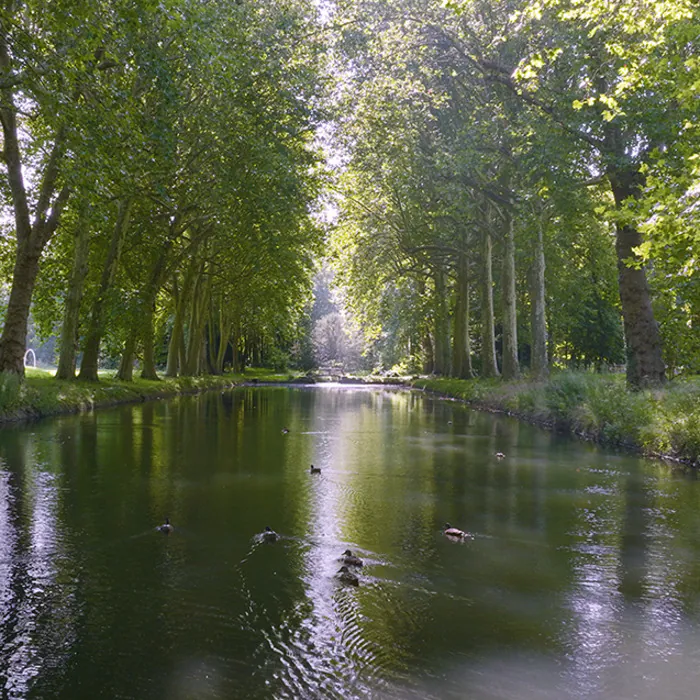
350	563
347	572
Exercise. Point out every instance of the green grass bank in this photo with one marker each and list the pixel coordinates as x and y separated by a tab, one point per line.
40	394
660	423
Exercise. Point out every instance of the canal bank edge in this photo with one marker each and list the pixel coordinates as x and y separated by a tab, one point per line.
40	394
662	423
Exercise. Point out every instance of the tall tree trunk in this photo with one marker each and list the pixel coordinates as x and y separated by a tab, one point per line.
235	346
461	348
255	350
203	362
148	371
645	364
173	366
225	326
212	327
489	364
32	237
13	344
540	366
177	348
71	311
442	345
196	330
511	367
126	364
88	367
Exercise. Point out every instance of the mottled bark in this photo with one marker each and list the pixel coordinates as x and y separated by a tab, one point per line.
195	341
158	275
441	325
176	349
91	351
126	364
461	347
32	236
148	370
176	337
511	366
71	310
236	364
645	364
255	350
225	326
426	342
13	343
540	365
489	364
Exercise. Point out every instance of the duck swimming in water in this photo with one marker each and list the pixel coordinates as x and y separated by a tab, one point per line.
314	470
344	575
350	559
166	528
285	431
269	535
500	455
454	532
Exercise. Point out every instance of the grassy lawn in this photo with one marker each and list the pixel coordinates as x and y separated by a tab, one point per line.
41	394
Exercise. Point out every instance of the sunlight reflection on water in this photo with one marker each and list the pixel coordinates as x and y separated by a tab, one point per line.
582	581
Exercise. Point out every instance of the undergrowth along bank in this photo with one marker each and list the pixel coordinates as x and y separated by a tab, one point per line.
40	394
660	422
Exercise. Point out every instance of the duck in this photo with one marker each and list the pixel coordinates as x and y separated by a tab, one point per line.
166	528
500	455
344	575
454	532
269	535
314	470
285	430
350	559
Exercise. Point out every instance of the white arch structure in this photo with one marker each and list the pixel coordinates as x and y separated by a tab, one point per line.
26	355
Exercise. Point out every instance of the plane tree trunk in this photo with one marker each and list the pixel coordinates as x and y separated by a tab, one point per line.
461	348
32	236
511	366
71	311
489	364
540	365
645	364
91	351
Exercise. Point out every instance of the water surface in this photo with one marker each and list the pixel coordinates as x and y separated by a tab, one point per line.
582	580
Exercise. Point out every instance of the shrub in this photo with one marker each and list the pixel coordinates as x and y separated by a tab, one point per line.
564	396
619	415
10	387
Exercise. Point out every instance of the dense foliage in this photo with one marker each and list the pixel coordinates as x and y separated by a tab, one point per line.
170	175
526	174
517	184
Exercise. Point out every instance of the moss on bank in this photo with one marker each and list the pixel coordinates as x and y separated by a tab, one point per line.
43	395
661	422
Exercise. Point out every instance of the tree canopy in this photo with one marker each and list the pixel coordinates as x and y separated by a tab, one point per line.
517	184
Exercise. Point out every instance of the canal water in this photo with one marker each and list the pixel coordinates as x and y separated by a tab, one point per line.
582	579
